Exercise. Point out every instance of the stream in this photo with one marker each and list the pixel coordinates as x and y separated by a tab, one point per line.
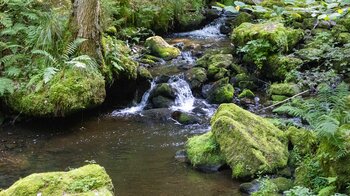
136	146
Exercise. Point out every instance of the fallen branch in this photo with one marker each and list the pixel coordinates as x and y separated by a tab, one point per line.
284	101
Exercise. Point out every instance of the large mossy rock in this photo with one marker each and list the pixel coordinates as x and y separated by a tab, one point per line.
249	143
280	37
88	180
160	48
69	91
196	77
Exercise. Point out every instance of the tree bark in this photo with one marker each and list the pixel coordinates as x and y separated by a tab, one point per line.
85	23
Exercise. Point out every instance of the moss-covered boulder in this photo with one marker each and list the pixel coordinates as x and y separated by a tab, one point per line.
249	143
283	184
69	91
88	180
203	150
196	77
280	38
189	21
143	73
286	89
246	93
160	48
162	96
221	92
242	17
278	66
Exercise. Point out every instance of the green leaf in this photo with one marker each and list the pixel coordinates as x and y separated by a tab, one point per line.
49	73
6	86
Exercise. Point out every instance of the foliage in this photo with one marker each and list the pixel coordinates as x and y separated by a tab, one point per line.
257	51
267	187
298	191
6	86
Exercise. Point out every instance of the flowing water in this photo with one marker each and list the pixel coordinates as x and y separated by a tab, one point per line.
136	146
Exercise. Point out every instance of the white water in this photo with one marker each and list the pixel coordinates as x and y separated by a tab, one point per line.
139	107
184	99
187	56
212	30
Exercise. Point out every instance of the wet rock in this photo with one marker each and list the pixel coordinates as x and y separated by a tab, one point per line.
249	143
181	156
221	92
163	89
160	48
161	102
157	114
88	180
225	29
179	45
212	14
189	21
196	77
162	79
185	118
249	187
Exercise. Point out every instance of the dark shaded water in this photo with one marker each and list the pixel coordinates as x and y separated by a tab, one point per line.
137	154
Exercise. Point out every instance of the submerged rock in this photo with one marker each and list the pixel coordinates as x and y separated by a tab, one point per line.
249	143
69	91
160	48
185	118
88	180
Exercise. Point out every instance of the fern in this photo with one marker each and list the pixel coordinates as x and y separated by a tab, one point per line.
49	73
6	86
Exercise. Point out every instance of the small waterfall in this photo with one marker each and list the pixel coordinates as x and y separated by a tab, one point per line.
184	99
139	107
188	58
212	30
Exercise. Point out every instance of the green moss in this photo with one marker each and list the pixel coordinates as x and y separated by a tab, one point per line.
283	184
271	3
204	150
250	144
278	66
144	74
280	37
188	21
242	17
160	48
67	92
286	89
278	98
343	38
246	93
304	140
88	180
163	89
197	76
221	92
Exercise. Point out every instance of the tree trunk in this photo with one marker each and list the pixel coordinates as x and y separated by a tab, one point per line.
85	23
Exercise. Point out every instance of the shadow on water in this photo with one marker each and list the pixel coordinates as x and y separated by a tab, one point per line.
137	154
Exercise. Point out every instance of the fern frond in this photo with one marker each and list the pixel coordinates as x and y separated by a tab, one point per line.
72	47
49	73
12	71
47	55
6	86
327	126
